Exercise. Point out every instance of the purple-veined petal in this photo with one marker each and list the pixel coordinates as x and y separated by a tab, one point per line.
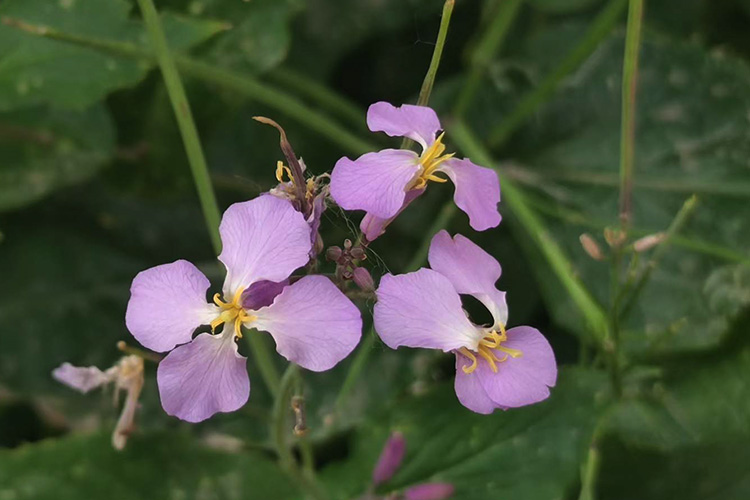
81	378
471	270
374	182
262	293
263	239
429	491
373	227
204	377
390	458
422	309
469	389
477	192
524	380
167	303
313	323
418	123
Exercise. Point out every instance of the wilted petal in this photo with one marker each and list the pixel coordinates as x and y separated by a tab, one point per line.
471	270
422	309
524	380
204	377
167	303
374	182
477	192
261	294
263	239
390	458
429	491
469	390
418	123
313	323
81	378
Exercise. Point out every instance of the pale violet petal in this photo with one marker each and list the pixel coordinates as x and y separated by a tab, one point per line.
469	390
81	378
418	123
477	192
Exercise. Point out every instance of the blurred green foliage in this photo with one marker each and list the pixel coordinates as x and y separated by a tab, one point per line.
95	186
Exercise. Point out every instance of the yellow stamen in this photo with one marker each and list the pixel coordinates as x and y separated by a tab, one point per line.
470	355
488	349
430	160
232	312
282	169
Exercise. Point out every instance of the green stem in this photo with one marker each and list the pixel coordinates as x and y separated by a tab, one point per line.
590	468
368	342
336	104
238	82
437	53
488	46
185	121
627	126
515	200
263	356
675	227
600	28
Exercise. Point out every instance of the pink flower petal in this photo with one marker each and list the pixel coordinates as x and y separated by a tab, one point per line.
375	182
263	239
469	390
81	378
167	303
204	377
524	380
422	309
429	491
471	270
313	323
390	458
418	123
373	227
477	192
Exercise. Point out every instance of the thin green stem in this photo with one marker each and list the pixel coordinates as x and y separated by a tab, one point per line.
263	356
368	342
336	104
600	28
627	126
185	121
590	468
533	226
675	227
238	82
437	53
487	47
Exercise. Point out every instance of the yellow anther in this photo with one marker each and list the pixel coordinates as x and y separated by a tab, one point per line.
488	349
470	355
282	169
430	160
232	312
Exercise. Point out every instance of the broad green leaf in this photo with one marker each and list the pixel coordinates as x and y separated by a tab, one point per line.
156	465
692	128
531	453
35	70
45	150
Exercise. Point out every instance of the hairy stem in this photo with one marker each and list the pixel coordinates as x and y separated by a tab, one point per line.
185	121
600	28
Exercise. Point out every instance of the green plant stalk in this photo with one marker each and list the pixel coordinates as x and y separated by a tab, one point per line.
263	356
514	199
627	126
437	53
238	82
489	44
320	94
280	429
600	28
185	121
675	227
368	341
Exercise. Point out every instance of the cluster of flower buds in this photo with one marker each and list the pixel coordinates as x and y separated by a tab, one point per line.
348	267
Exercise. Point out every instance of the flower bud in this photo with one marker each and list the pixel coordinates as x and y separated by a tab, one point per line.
363	279
390	458
334	253
429	491
591	247
358	253
614	237
648	242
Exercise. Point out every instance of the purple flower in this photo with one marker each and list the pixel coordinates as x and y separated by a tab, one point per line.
384	182
495	368
429	491
390	458
313	323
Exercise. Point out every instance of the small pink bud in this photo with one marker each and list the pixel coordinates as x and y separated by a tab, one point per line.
390	458
358	253
430	491
363	279
648	242
591	247
334	253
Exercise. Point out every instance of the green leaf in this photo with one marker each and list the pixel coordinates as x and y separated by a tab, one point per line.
692	128
533	452
162	465
35	70
45	150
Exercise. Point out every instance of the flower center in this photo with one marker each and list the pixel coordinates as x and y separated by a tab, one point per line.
488	349
232	312
430	160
